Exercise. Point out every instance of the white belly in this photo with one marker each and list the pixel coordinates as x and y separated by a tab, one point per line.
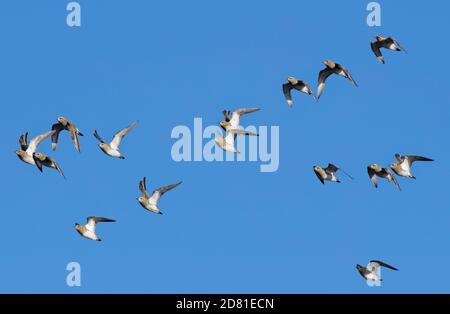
29	160
90	235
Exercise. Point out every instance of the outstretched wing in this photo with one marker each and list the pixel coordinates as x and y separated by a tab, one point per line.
160	191
331	168
23	141
102	219
38	162
393	178
38	140
377	264
319	176
412	159
143	187
235	118
376	50
323	75
74	136
120	135
349	76
58	168
92	220
287	93
398	45
372	176
57	127
98	137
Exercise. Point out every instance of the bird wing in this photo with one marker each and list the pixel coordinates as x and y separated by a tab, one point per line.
92	220
98	137
38	140
393	178
323	75
398	45
287	93
372	176
376	50
235	117
90	225
57	127
376	264
331	168
226	114
74	135
23	141
303	87
349	76
241	132
334	168
57	167
412	159
120	135
319	176
143	187
160	191
39	162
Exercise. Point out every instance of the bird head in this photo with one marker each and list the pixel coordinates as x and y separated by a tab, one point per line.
316	168
359	267
292	80
62	120
380	38
329	63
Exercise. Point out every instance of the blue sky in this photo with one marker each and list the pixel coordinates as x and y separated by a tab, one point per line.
164	64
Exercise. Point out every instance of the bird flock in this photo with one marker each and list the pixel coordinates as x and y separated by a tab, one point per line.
231	125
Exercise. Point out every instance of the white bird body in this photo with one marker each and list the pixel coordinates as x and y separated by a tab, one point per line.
150	203
112	149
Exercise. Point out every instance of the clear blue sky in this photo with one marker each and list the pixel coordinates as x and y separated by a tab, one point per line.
164	64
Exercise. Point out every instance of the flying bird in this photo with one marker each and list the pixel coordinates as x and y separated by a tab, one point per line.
151	202
230	124
112	149
404	163
372	271
387	43
43	160
28	149
88	230
227	142
65	124
375	170
234	118
332	68
293	83
328	173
